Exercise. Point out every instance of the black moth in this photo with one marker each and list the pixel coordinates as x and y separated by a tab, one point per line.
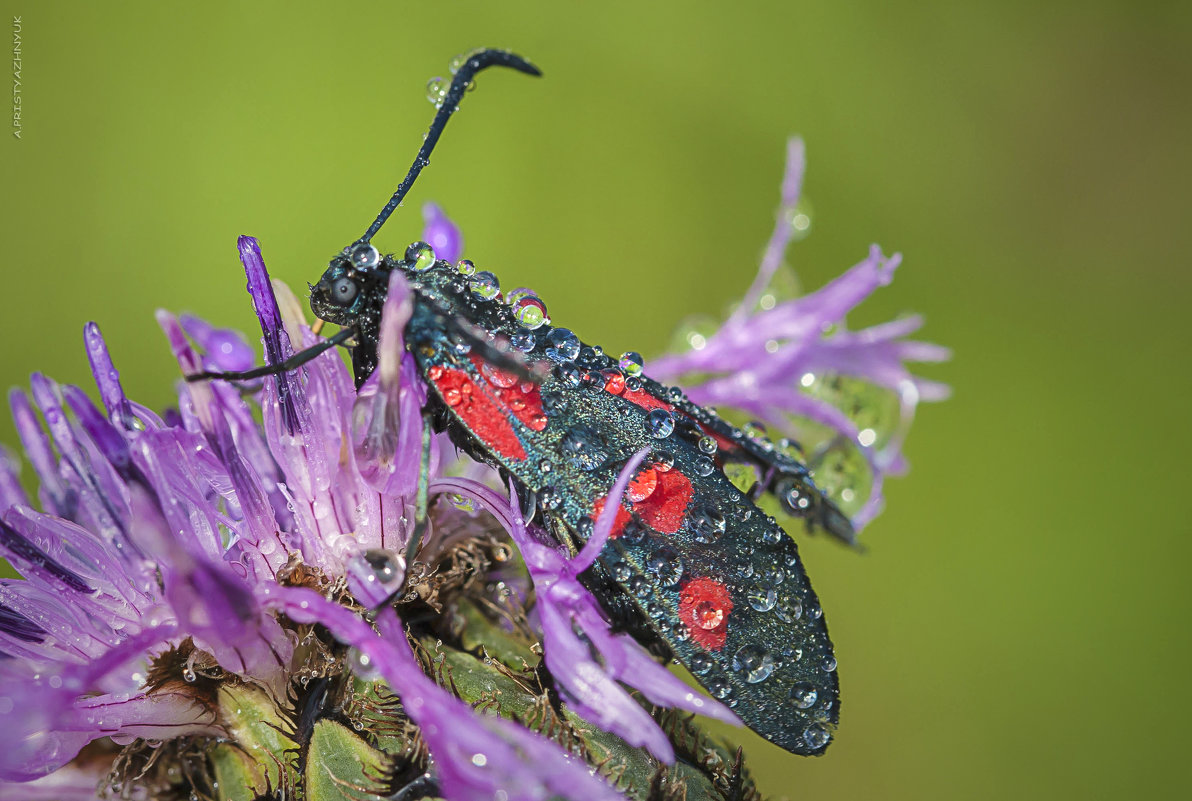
695	570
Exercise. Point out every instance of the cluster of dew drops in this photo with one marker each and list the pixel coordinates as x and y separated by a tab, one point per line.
437	87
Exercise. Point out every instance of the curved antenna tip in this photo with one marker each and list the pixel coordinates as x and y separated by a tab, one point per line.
475	61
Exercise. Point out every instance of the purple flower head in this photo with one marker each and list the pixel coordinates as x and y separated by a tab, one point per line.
794	365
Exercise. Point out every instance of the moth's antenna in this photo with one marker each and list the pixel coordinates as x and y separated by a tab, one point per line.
477	61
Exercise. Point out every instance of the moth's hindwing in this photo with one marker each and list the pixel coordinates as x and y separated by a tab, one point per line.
715	578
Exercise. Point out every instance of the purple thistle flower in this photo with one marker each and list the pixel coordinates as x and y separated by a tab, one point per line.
793	362
181	556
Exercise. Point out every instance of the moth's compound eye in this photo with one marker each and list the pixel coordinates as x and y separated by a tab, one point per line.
343	291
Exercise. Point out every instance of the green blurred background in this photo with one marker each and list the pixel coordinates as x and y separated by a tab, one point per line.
1018	627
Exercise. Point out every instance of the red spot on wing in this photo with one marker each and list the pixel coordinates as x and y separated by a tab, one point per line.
479	410
645	399
523	399
619	522
662	509
705	605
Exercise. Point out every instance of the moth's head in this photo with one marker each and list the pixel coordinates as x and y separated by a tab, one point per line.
348	284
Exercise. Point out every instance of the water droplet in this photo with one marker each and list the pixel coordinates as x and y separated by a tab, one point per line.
772	575
754	430
479	760
465	267
362	665
719	687
545	466
523	341
421	256
461	502
592	356
484	285
562	345
754	661
707	445
634	533
569	375
704	466
869	406
796	498
622	572
660	423
816	736
804	694
642	486
701	664
828	663
364	256
548	498
842	473
583	447
374	575
667	565
436	90
708	615
762	598
664	460
790	609
798	218
530	312
631	363
614	382
707	524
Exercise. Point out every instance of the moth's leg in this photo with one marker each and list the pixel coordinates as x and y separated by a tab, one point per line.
421	501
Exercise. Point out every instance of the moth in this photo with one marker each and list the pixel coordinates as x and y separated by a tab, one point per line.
694	568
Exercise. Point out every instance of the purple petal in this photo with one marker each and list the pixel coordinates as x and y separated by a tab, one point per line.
54	493
604	524
291	399
225	349
11	491
441	234
387	419
792	185
107	378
